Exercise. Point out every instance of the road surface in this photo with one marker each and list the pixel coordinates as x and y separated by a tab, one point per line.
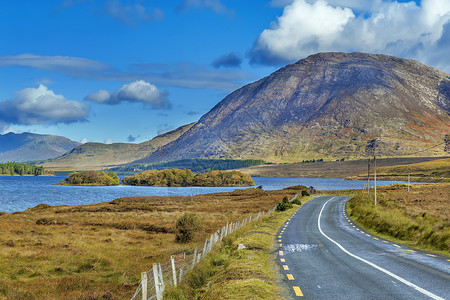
324	255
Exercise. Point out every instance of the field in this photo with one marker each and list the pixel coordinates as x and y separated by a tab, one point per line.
328	169
98	251
419	219
430	171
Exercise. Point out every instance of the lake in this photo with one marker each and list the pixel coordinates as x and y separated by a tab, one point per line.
20	193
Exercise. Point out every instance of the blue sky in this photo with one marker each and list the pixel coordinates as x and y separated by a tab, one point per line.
126	70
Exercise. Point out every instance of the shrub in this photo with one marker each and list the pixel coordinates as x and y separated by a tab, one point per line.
185	228
285	204
305	193
296	201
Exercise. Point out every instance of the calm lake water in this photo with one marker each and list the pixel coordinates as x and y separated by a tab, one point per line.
20	193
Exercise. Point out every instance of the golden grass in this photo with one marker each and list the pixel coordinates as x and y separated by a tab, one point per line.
419	219
98	251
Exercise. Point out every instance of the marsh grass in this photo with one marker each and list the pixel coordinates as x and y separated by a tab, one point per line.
420	219
99	251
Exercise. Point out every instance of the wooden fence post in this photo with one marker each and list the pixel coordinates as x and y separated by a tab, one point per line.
174	271
156	278
144	285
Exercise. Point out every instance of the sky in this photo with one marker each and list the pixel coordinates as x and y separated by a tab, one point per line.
127	70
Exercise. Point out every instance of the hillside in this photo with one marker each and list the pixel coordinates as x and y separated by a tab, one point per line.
98	155
29	146
329	105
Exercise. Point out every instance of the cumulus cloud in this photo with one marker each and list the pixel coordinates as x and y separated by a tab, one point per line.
84	140
215	5
137	91
75	66
108	141
403	29
230	60
34	106
131	13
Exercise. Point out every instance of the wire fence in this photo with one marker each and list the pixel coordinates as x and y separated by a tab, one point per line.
154	281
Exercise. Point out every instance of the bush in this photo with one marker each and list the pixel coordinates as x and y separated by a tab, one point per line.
285	204
296	201
185	228
305	193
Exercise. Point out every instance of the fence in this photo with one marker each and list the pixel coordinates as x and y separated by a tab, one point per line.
154	281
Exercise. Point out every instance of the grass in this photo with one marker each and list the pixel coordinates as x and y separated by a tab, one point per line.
329	169
99	251
228	273
419	219
430	171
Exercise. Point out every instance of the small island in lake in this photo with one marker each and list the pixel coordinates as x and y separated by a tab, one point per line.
183	178
91	178
21	169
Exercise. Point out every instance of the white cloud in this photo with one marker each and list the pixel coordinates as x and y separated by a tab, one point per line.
108	141
401	29
84	140
34	106
137	91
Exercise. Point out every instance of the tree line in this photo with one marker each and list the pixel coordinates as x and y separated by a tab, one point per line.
91	178
185	177
13	168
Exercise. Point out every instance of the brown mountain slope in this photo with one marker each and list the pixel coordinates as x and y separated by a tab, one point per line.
329	105
98	156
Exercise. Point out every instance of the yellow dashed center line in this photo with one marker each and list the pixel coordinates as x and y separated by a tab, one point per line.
285	267
290	277
279	241
432	255
411	251
367	234
297	291
280	252
282	260
397	246
280	245
386	242
376	238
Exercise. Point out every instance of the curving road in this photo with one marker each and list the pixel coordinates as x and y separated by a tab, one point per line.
323	255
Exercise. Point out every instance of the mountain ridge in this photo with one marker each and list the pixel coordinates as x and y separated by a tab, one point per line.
327	105
28	146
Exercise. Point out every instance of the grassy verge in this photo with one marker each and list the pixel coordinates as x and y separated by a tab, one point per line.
228	273
419	219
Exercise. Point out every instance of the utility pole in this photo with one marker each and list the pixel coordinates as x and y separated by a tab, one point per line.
409	171
368	176
375	176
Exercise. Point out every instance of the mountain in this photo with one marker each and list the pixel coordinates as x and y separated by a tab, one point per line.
29	146
329	105
99	156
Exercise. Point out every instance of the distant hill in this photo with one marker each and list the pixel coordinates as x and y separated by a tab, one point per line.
329	105
98	156
29	146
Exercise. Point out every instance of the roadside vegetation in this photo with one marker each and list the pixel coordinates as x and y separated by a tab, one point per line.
419	219
229	273
98	251
177	177
91	178
13	168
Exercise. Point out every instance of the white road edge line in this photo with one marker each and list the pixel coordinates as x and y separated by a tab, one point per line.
423	291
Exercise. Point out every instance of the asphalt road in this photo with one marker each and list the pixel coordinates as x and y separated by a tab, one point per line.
323	255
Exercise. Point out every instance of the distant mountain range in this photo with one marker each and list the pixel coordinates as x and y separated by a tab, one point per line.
329	105
99	156
29	146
